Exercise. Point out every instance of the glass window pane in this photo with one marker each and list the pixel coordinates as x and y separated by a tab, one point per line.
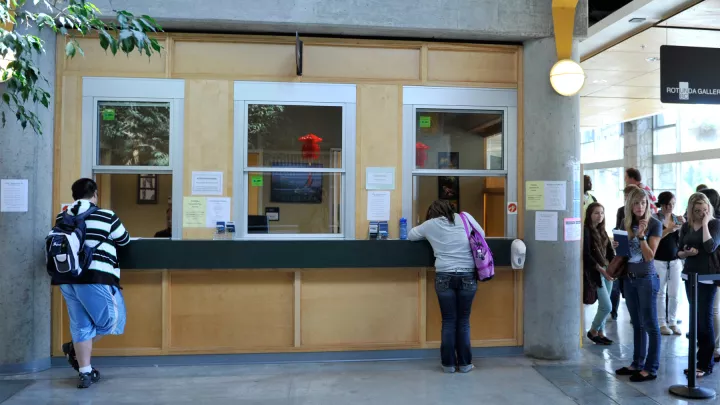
463	140
281	135
587	152
665	141
695	173
665	176
294	203
608	185
483	198
700	128
609	144
133	134
667	118
142	202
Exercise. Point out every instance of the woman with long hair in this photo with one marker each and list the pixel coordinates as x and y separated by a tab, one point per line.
641	285
714	198
699	239
597	254
455	280
668	265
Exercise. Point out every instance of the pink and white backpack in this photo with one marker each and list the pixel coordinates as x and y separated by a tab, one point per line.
484	264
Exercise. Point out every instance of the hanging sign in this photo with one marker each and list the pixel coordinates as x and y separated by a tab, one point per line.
689	75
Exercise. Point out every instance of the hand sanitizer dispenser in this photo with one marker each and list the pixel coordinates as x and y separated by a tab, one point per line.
517	254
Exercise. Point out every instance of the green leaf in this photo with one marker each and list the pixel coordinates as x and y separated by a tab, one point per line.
70	50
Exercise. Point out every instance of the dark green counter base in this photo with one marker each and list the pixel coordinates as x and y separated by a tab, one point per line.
178	255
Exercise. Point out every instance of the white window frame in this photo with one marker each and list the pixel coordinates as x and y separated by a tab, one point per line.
305	94
476	100
172	91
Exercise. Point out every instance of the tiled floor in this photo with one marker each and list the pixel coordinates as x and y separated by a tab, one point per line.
513	381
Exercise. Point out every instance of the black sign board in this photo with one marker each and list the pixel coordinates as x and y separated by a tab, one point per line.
298	54
689	75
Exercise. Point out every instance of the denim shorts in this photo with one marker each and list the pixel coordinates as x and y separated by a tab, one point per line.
94	309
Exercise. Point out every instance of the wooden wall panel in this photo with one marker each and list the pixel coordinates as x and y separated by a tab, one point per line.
142	291
235	309
379	143
233	59
208	137
97	62
361	63
360	307
490	66
493	315
68	143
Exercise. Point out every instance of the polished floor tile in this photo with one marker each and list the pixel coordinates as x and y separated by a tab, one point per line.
589	379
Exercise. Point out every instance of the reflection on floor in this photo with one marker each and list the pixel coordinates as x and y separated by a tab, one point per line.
512	381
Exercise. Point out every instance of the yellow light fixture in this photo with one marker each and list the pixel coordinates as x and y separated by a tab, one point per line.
567	77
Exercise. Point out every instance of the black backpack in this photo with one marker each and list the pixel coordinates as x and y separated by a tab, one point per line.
65	248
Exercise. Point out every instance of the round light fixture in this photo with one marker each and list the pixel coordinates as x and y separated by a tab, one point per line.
4	62
567	77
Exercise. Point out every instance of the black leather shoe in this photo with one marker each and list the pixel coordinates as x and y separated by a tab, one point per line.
625	371
638	377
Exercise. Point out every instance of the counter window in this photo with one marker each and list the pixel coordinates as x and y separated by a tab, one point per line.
460	145
296	172
132	146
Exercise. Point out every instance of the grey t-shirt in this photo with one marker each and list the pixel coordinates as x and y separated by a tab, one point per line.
636	262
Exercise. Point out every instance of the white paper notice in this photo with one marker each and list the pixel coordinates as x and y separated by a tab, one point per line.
13	195
207	183
573	229
546	226
378	206
556	195
217	209
380	178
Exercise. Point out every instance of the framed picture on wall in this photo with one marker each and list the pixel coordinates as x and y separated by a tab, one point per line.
449	160
147	189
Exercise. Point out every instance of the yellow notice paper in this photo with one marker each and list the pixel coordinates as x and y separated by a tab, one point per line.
194	212
535	195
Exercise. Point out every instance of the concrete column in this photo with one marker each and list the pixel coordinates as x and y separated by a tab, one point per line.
551	153
24	283
638	136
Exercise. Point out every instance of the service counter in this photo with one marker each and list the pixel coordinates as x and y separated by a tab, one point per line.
223	297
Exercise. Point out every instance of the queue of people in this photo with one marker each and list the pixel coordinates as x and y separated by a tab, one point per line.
661	247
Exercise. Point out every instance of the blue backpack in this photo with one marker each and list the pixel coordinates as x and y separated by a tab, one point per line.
65	248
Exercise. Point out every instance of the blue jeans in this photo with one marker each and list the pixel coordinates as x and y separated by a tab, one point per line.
94	309
604	305
455	292
615	297
705	328
641	299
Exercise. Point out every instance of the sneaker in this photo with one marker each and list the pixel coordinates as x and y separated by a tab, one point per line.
664	330
466	369
85	380
676	330
448	370
69	351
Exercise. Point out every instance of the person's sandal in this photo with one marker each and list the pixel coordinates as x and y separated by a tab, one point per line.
625	371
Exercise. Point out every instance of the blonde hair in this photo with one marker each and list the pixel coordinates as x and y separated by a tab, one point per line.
695	199
634	196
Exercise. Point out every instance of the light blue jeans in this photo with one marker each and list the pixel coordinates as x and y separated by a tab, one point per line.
94	309
604	305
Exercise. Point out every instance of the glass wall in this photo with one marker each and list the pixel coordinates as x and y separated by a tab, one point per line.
602	154
687	151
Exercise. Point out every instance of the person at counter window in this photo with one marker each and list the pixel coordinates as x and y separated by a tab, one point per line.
455	280
641	285
699	238
167	232
94	299
668	265
597	254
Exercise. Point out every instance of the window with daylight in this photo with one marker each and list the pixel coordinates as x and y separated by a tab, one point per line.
464	154
297	169
602	144
132	146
